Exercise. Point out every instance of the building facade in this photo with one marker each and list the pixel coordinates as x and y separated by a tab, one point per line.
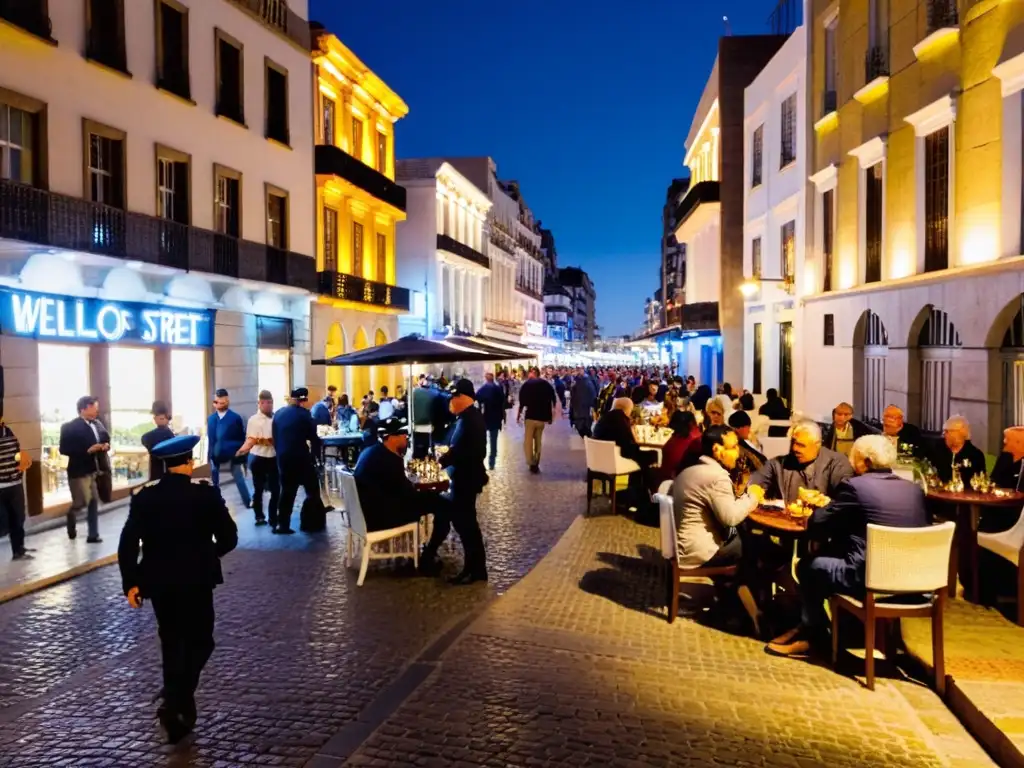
358	207
672	286
584	305
156	237
774	177
914	278
442	247
559	312
529	267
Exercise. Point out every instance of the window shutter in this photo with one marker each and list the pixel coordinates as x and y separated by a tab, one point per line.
182	208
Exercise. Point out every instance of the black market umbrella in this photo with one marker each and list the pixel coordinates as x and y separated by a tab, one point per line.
415	349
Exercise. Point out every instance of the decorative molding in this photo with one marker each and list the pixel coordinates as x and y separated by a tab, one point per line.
938	114
825	178
867	93
870	152
1011	73
939	37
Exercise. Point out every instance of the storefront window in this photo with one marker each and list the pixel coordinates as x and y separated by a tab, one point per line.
63	378
189	396
132	391
275	373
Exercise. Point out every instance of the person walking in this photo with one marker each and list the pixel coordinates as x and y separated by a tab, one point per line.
491	398
84	440
536	397
259	445
160	432
184	528
582	398
294	432
226	433
13	464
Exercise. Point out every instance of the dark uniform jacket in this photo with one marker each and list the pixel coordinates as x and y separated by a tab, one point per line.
293	429
466	453
184	528
385	492
942	459
492	401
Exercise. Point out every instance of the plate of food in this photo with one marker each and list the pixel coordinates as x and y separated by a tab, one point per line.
811	498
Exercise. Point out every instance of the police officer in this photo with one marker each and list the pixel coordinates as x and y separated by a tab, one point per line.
294	433
465	456
184	528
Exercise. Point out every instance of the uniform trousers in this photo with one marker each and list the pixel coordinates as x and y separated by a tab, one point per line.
265	478
460	512
184	618
294	473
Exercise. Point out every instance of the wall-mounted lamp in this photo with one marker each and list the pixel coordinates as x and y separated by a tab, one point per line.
750	288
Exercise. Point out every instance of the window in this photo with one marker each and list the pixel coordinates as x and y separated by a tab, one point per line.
329	109
755	258
830	330
873	224
786	362
827	236
172	185
60	394
105	161
330	240
277	102
936	200
758	156
277	218
227	201
105	36
188	396
382	152
382	258
274	373
788	251
788	154
831	64
17	140
758	351
132	377
357	249
230	80
172	70
357	138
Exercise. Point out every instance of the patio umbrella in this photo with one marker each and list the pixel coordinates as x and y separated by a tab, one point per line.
415	349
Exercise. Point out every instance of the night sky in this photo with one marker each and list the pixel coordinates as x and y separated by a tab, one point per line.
587	104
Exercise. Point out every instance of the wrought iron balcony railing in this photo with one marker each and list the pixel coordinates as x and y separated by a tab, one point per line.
334	161
351	288
60	221
941	14
450	244
29	15
876	63
529	290
276	15
702	316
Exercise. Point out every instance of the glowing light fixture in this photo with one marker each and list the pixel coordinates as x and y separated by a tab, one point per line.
873	90
938	41
828	122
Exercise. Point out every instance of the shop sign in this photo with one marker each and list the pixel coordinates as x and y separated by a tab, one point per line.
69	318
534	328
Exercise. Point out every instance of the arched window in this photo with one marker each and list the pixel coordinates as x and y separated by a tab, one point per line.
876	353
937	344
1012	353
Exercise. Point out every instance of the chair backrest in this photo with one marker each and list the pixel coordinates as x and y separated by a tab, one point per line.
908	559
1015	536
665	488
601	455
667	520
354	510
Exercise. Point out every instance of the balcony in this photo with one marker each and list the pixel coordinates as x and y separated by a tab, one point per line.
876	63
942	14
943	28
278	17
702	316
338	285
503	241
451	245
528	290
70	223
698	194
333	161
30	16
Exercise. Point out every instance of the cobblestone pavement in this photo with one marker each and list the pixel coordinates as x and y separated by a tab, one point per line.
575	666
301	651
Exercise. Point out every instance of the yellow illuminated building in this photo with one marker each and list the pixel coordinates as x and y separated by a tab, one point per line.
358	207
915	188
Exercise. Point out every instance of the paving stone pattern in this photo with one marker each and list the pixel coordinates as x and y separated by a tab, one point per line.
300	649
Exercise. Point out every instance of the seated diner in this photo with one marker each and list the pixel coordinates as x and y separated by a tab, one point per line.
807	465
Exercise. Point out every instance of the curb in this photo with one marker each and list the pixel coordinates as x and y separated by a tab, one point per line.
38	585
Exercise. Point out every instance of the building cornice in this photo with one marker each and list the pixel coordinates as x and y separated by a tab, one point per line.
870	152
933	117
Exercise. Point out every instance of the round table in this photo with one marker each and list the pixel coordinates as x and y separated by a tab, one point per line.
778	521
430	485
968	505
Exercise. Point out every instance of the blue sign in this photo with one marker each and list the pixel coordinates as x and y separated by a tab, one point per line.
71	319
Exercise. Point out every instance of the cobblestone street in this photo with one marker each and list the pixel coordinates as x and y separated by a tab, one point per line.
573	665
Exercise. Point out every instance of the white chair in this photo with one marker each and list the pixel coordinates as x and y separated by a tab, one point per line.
1010	545
774	447
605	463
357	530
670	551
901	561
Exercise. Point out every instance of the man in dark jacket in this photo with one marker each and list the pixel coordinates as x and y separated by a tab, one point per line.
465	457
840	435
895	427
85	442
184	528
615	427
536	397
774	407
157	435
1007	471
807	465
956	448
225	433
875	496
294	432
491	398
582	398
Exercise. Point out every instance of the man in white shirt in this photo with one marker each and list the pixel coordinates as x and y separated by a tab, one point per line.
259	444
387	406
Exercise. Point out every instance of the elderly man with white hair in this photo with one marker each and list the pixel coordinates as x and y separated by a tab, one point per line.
957	449
615	427
875	495
807	465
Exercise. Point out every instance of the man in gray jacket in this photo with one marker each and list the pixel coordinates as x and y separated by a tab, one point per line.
807	465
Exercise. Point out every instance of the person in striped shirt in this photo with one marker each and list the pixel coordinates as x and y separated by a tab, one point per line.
13	464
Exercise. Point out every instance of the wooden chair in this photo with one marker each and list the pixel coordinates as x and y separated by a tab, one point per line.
901	561
605	463
670	551
1009	545
357	530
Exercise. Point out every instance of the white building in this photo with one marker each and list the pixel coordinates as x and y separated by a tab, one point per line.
440	250
156	216
529	266
775	159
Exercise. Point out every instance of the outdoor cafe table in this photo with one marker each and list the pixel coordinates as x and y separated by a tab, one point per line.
778	522
429	486
968	505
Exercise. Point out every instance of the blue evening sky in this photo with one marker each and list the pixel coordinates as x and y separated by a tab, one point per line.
587	104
